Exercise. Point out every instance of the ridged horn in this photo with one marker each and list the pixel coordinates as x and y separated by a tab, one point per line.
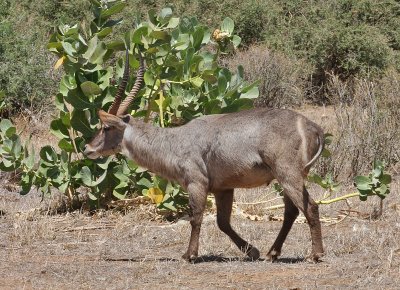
135	89
121	89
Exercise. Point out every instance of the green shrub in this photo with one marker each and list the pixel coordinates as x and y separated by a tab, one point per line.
182	81
332	35
26	74
348	52
251	21
351	38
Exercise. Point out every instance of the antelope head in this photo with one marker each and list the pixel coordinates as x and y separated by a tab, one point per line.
108	139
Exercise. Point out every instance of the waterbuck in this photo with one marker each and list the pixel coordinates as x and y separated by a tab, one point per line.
218	153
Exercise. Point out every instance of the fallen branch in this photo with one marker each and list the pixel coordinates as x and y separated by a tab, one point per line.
89	228
259	202
340	198
322	201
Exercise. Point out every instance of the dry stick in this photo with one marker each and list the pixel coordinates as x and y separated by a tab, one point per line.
89	228
344	197
153	96
329	201
339	221
160	105
71	131
259	202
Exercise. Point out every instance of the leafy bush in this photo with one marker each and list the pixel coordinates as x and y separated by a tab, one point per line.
249	16
376	183
11	151
351	51
182	81
251	21
350	38
345	38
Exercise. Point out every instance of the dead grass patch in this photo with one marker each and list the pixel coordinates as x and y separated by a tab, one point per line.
283	80
119	251
367	116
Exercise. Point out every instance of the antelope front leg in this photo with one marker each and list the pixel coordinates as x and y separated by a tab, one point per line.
224	201
197	203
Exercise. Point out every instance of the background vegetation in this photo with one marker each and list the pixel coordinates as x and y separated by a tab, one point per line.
347	38
343	53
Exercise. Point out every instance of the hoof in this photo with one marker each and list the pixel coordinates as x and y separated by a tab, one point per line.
315	257
253	253
189	258
273	255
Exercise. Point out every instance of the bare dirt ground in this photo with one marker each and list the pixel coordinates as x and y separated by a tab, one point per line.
111	250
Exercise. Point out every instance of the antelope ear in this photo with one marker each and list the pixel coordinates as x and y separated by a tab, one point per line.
111	120
126	118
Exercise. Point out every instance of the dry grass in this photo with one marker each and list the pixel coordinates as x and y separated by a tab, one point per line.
283	81
115	251
367	116
35	126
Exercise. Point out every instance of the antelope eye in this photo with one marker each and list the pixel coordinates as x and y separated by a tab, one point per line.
106	128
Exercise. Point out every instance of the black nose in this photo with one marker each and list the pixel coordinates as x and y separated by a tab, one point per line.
86	149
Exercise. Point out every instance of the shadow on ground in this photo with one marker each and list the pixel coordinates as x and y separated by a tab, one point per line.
206	259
